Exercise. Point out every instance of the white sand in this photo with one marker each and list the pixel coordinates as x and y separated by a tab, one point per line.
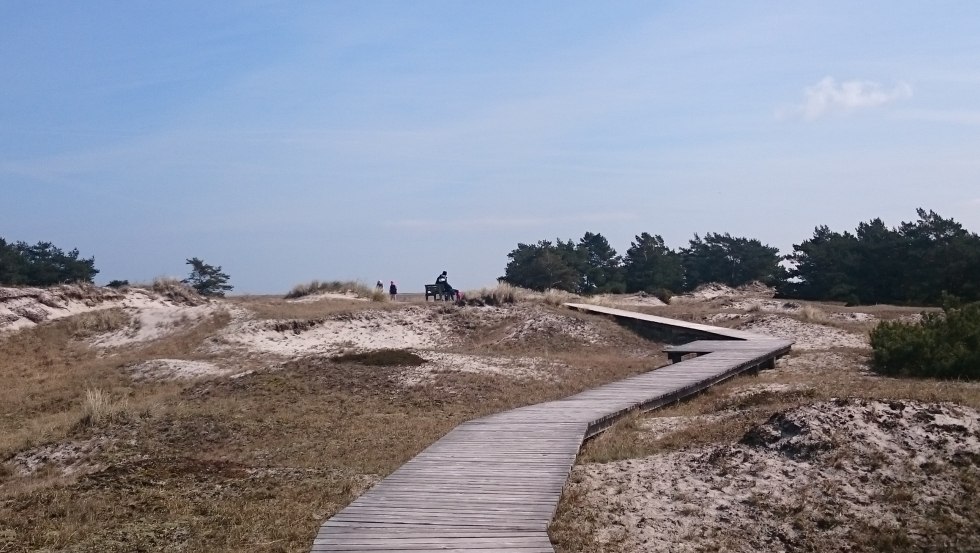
832	464
807	335
321	296
408	328
537	324
522	367
153	320
174	369
154	315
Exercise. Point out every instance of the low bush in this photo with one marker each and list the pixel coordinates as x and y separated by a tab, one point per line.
381	358
941	345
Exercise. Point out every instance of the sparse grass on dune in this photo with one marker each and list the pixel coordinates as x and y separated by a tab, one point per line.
175	290
98	321
252	463
349	287
505	294
257	462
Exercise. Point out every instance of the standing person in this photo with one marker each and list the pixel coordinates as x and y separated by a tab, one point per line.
380	287
393	290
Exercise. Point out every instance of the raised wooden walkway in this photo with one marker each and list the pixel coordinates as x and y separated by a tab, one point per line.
493	484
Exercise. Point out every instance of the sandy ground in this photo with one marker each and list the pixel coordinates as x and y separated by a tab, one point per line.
170	369
520	367
866	464
153	315
409	328
313	298
27	307
806	335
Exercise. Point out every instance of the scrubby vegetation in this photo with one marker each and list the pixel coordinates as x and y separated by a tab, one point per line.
941	345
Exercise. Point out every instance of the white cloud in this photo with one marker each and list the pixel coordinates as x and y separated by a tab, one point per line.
828	96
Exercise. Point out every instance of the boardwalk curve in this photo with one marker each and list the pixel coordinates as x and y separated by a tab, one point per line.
493	484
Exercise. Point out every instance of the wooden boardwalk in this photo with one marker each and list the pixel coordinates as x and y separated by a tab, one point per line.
493	484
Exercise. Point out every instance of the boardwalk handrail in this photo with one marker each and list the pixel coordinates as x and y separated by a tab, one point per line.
494	483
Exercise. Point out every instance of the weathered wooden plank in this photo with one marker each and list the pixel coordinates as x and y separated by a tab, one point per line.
493	484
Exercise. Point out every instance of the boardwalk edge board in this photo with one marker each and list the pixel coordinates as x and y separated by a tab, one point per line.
493	484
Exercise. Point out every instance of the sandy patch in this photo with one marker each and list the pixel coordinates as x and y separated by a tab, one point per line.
659	427
818	477
809	361
722	317
767	389
775	306
67	458
408	328
521	367
806	335
716	290
153	315
854	317
174	369
542	324
349	295
153	320
639	299
27	307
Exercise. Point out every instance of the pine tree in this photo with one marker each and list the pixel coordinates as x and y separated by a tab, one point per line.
207	279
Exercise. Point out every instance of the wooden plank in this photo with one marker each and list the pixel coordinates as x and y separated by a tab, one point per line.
493	484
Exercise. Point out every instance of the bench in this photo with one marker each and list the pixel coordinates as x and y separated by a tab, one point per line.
435	290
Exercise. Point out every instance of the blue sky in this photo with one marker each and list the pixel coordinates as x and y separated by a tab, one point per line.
287	141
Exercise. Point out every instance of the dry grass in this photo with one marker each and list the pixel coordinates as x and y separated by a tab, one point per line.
505	294
256	463
275	307
98	322
175	290
354	288
253	463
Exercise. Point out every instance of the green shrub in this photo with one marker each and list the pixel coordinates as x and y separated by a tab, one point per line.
663	294
942	345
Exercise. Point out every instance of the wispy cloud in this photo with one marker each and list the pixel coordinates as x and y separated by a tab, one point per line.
509	222
828	96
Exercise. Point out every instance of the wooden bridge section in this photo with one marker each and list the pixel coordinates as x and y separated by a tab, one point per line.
493	484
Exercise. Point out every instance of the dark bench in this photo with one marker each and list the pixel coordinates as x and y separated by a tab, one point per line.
436	291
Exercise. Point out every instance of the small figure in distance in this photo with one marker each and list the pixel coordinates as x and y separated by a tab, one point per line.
442	285
393	290
380	287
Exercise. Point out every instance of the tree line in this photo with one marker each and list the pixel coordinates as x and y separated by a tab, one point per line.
42	264
914	263
45	264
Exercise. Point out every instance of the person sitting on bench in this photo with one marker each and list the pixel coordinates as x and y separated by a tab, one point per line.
442	285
